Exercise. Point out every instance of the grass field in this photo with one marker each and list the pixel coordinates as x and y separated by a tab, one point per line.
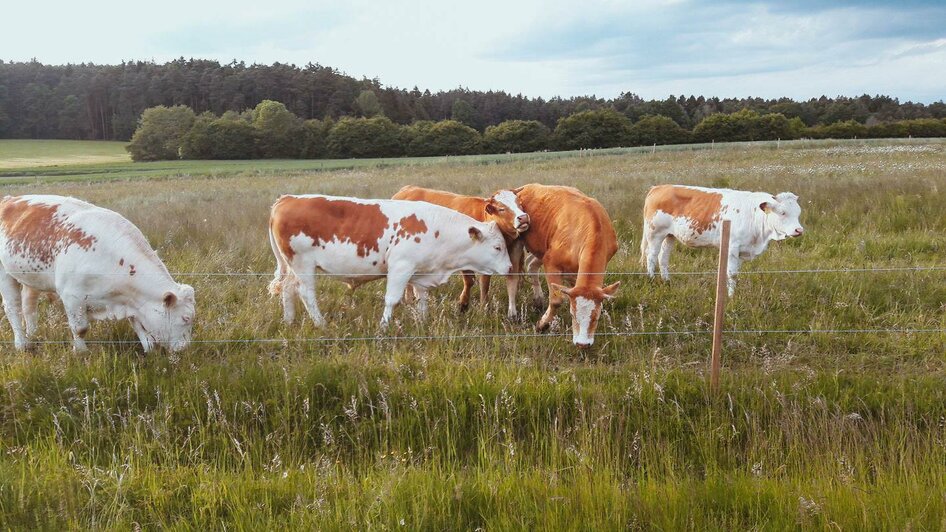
18	154
826	430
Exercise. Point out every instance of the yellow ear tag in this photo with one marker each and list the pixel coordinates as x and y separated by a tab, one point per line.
768	210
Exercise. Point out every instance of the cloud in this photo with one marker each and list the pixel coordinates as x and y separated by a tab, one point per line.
682	40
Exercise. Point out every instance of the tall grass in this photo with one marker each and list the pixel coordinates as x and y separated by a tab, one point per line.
821	430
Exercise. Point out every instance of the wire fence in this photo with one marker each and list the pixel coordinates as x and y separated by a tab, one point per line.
505	336
868	269
525	335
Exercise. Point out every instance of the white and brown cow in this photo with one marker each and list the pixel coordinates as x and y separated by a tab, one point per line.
360	240
97	262
693	216
504	209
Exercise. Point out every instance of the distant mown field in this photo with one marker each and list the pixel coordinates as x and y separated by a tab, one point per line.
486	425
17	154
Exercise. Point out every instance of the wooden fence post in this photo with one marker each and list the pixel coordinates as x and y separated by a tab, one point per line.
722	291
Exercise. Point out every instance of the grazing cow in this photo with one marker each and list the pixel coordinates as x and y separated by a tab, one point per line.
97	262
692	215
361	240
572	236
502	208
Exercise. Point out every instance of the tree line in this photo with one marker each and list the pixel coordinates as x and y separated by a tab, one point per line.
271	130
88	101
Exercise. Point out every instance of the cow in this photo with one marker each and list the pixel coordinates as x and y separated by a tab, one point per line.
359	240
99	265
693	216
572	236
502	208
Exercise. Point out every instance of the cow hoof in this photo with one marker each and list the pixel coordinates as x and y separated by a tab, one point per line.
512	316
542	327
538	304
463	307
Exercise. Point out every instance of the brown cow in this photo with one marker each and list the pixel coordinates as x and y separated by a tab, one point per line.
501	208
571	234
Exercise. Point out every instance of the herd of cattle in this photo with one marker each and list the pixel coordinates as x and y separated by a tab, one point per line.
101	266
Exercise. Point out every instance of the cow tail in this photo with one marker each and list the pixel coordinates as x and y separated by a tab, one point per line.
283	275
644	246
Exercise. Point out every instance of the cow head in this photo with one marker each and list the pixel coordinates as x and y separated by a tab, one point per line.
782	216
504	209
168	321
487	254
585	305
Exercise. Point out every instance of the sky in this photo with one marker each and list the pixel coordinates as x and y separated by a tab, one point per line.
654	48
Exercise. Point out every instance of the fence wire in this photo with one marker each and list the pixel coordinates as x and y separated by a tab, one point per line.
481	336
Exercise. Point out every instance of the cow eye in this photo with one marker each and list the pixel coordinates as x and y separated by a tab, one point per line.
498	248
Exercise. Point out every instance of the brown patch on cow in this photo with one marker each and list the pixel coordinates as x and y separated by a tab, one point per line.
411	226
132	271
374	263
327	220
436	234
701	208
121	261
35	230
417	239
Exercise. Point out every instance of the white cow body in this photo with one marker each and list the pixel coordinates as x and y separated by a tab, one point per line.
97	262
357	241
694	215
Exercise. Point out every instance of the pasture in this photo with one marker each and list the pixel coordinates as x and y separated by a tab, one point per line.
469	421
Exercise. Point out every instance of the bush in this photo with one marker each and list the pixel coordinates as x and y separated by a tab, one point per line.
745	125
279	131
231	139
409	136
196	144
517	136
601	128
658	129
447	137
160	132
839	130
364	137
314	138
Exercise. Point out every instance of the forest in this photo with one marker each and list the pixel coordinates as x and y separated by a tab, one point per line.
88	101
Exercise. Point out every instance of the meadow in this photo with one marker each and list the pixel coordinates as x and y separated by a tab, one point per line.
488	425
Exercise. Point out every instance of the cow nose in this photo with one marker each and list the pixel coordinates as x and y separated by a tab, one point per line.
582	345
523	218
799	231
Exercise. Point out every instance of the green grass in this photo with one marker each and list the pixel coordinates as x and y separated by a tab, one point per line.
809	431
21	154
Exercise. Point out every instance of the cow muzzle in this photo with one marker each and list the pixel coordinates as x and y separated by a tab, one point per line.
522	223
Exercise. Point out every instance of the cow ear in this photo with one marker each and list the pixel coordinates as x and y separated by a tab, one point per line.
610	290
170	298
476	234
766	206
490	208
560	288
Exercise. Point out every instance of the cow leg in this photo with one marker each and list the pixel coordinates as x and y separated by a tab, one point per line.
538	297
30	298
556	298
469	278
397	281
666	248
732	270
12	305
77	314
307	293
289	293
655	243
512	281
484	290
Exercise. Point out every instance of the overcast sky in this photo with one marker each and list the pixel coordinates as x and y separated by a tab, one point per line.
800	49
